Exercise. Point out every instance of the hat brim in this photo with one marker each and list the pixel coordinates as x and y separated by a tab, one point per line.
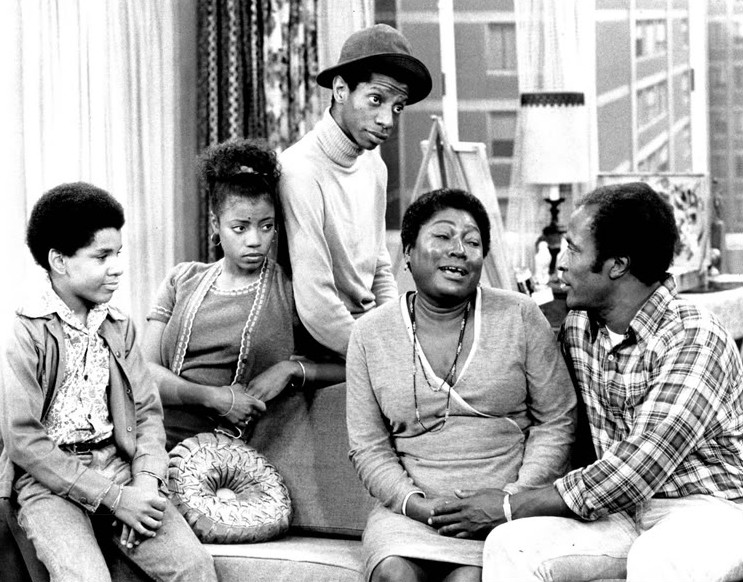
404	68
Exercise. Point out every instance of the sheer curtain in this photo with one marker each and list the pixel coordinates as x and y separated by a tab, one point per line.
556	52
336	20
91	92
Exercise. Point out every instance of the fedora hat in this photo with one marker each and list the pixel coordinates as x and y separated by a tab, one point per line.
383	50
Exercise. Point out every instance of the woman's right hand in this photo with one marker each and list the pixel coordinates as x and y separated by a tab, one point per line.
241	405
419	508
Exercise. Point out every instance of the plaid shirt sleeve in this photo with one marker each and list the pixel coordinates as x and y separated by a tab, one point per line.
676	399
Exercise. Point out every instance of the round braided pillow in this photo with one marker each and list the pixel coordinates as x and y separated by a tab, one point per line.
227	491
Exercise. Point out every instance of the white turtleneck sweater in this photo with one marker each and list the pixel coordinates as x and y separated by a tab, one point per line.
334	197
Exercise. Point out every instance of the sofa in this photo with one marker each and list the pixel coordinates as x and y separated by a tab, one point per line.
303	435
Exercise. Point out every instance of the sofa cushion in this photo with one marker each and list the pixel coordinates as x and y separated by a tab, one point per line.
290	559
304	436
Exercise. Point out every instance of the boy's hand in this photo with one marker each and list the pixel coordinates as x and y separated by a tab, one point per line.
147	483
141	512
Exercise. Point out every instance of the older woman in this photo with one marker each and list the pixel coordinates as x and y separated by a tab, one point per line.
452	391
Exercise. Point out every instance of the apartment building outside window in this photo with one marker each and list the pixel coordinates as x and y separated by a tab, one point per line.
738	122
738	33
500	54
502	133
719	125
650	38
717	77
652	103
656	161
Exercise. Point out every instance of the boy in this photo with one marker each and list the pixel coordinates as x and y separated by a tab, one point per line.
82	421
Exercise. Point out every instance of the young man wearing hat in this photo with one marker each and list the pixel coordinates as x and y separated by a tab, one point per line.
334	185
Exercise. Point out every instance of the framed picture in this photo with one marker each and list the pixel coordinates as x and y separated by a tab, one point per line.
689	196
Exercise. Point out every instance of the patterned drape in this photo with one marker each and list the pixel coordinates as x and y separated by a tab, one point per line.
257	68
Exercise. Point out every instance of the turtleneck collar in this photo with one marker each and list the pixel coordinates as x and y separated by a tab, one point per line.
336	144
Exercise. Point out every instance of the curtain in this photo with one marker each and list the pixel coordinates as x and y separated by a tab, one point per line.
256	78
556	52
91	91
336	21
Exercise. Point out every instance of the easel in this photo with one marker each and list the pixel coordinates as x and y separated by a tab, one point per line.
463	166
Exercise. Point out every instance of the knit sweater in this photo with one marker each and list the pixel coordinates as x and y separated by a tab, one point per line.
512	406
334	199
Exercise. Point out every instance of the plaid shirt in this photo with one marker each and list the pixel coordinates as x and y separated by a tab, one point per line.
665	407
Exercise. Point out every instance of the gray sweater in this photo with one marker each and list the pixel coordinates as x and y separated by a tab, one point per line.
512	410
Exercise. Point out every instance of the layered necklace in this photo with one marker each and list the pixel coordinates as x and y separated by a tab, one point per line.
450	375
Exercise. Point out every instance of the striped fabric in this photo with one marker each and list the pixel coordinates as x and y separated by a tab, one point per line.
664	406
257	62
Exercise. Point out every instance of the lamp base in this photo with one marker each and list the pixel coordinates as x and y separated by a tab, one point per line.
552	234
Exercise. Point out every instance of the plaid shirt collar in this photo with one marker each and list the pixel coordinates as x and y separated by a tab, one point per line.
648	320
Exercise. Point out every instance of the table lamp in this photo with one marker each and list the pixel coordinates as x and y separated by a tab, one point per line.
554	151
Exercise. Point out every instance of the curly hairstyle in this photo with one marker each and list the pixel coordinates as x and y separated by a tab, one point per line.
67	218
423	209
633	220
242	167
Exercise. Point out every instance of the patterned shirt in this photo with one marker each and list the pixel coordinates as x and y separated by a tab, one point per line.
79	411
665	407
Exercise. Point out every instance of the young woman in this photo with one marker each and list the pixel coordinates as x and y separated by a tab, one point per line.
221	337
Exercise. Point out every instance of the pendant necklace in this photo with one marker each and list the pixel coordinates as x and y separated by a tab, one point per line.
450	375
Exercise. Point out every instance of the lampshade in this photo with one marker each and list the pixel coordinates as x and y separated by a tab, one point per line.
554	146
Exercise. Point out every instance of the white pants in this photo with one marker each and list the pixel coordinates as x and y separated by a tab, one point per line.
698	538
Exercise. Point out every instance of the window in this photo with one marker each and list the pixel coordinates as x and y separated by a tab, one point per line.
738	122
656	161
738	33
652	103
719	125
719	166
738	76
650	38
684	30
502	133
717	77
716	35
501	47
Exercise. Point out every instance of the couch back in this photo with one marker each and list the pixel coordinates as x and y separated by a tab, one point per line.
303	434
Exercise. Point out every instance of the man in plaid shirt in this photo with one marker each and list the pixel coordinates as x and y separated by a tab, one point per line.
662	383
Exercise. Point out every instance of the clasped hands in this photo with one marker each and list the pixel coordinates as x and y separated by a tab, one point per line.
140	510
469	514
249	401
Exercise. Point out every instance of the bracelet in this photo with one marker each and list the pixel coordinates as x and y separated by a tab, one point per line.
507	507
304	373
231	405
404	509
115	504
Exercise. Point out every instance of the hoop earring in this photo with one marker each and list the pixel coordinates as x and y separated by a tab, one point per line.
216	241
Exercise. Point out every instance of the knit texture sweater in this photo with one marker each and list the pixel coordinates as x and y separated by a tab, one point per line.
512	406
334	199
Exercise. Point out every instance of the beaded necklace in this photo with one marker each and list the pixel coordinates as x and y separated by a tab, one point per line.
450	375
